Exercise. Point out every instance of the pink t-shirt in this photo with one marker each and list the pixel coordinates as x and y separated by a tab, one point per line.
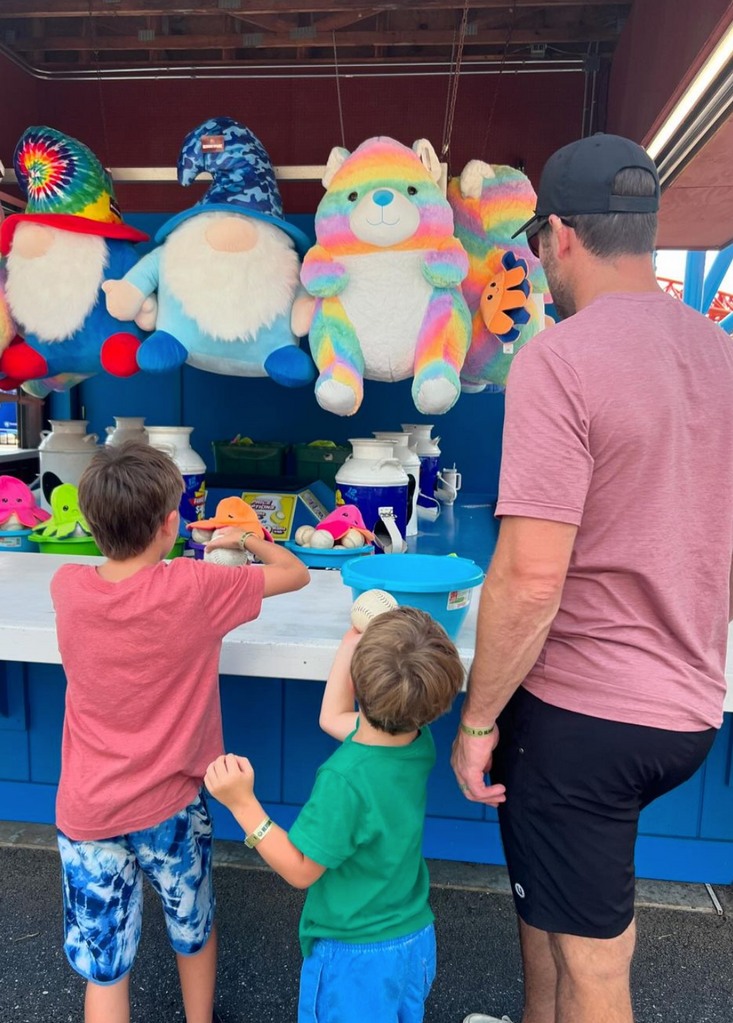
143	717
618	421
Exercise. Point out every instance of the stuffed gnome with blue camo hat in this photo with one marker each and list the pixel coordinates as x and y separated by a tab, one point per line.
226	270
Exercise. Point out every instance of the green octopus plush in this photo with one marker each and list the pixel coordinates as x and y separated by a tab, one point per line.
66	518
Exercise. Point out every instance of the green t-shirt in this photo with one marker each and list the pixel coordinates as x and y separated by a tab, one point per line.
364	822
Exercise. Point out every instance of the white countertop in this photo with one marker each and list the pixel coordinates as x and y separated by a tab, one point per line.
295	636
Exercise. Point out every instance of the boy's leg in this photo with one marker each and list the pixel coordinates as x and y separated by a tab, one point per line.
175	856
102	890
198	981
108	1003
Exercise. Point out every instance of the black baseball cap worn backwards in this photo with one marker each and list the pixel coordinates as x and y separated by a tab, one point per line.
578	179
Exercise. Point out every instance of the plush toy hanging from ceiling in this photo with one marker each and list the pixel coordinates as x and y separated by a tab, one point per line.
226	271
69	240
386	276
505	288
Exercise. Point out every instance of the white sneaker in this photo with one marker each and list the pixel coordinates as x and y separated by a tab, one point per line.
479	1017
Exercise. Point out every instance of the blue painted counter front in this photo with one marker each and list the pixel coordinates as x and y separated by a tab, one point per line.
686	836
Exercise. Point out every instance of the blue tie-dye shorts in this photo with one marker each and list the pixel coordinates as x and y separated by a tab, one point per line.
103	891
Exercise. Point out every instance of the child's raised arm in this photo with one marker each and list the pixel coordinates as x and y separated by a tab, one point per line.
230	779
283	571
338	717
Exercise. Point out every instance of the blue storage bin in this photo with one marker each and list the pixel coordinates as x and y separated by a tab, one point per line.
15	541
442	585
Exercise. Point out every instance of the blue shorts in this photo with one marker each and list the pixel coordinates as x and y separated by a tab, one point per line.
103	891
387	981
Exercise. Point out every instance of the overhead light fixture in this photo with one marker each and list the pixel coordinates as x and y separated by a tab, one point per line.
701	110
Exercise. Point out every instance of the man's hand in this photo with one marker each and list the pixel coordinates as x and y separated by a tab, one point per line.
471	760
231	780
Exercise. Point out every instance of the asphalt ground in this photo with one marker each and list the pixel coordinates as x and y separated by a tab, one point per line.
683	972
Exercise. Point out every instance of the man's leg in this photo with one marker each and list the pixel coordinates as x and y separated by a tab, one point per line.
198	980
108	1003
593	978
540	975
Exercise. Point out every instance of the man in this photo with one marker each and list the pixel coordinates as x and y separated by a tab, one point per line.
603	618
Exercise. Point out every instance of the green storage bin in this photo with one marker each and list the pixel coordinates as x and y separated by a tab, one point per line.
319	463
263	458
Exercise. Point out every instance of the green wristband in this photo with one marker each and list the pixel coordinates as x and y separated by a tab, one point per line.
476	732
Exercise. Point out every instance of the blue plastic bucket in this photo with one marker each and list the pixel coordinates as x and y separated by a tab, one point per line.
439	584
15	541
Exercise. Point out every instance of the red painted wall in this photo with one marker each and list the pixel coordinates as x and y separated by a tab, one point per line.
658	45
143	123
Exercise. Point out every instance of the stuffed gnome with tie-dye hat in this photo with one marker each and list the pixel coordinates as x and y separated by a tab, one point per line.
59	252
226	271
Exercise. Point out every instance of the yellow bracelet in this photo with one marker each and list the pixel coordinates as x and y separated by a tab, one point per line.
476	732
256	836
243	539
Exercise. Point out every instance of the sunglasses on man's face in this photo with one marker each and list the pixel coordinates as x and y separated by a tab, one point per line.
534	241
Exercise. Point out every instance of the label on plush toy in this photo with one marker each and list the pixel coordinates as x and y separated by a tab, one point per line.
212	143
193	500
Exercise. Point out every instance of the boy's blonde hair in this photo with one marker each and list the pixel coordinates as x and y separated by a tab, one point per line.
406	671
126	493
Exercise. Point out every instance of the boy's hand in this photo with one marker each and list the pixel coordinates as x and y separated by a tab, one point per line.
228	537
230	779
350	639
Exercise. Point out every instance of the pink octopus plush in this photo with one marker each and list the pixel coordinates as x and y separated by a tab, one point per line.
18	508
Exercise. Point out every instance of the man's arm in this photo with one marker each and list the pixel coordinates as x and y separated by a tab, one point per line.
519	600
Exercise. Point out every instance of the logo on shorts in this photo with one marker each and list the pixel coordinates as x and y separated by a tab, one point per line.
519	890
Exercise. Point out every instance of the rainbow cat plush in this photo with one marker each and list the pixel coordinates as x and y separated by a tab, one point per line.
505	288
385	274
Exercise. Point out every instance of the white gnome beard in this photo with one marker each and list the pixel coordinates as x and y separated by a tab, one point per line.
52	295
230	295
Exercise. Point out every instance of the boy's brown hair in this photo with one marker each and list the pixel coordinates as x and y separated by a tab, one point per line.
125	493
406	671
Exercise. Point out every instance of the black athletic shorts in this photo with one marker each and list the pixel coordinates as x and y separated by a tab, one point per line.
575	787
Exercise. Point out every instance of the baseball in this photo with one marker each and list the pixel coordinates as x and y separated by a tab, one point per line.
321	538
201	535
225	555
303	535
369	606
352	539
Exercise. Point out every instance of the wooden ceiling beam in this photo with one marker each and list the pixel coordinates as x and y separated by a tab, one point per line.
421	38
138	8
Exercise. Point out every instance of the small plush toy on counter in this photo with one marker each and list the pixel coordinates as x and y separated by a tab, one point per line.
343	527
231	511
18	508
66	519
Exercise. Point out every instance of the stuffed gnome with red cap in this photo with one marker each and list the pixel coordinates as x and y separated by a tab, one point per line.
59	252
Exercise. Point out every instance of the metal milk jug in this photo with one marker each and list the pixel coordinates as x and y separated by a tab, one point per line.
176	442
410	462
64	453
373	479
127	428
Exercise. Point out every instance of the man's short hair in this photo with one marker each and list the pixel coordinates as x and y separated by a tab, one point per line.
126	493
618	234
406	671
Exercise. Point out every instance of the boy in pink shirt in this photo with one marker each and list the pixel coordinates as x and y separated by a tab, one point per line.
140	640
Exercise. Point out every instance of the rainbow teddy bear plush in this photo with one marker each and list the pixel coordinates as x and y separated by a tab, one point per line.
385	275
505	288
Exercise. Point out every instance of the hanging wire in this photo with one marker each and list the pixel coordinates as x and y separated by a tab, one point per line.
505	54
453	85
451	72
338	88
97	65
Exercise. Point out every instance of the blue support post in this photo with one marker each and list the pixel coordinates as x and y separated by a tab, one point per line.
694	276
715	275
727	323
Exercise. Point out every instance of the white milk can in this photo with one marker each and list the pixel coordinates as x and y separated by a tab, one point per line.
176	442
373	479
127	428
64	453
410	462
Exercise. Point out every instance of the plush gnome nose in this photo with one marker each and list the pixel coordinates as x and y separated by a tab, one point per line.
383	197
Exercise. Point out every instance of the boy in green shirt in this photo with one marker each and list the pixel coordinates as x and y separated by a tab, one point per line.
367	928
